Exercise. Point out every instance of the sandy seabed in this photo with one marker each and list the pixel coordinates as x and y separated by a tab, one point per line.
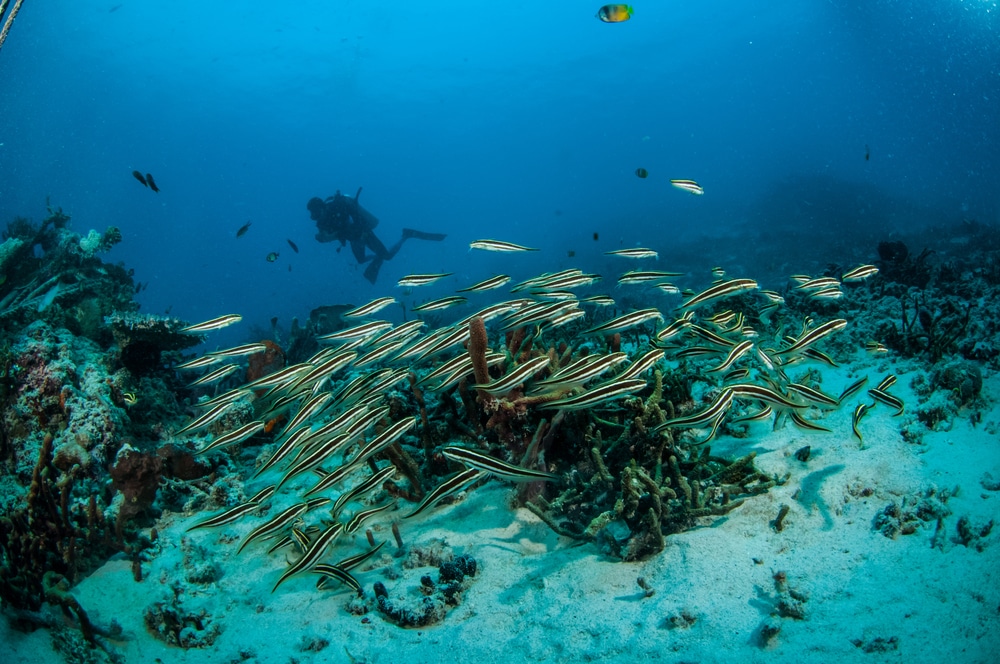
849	592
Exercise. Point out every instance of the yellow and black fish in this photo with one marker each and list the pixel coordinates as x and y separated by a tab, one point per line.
273	256
641	172
614	13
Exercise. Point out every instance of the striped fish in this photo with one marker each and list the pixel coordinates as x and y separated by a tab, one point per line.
341	571
497	245
228	516
853	388
308	410
375	481
625	322
199	362
668	289
641	365
280	377
637	252
313	555
710	336
564	319
819	356
405	331
215	376
723	401
358	519
493	466
421	279
807	425
337	573
238	351
887	399
818	283
364	330
514	378
584	369
537	313
599	300
212	415
486	284
689	186
443	303
383	440
886	382
275	525
859	273
315	457
721	289
226	397
452	485
812	395
543	279
214	324
827	294
676	327
286	448
761	393
372	307
755	416
597	395
645	276
773	297
237	436
736	374
380	354
567	281
737	351
455	335
859	412
814	335
875	347
445	381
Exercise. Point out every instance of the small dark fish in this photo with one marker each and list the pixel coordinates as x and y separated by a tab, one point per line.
152	184
243	229
641	172
292	245
138	176
868	153
596	237
273	256
614	13
571	253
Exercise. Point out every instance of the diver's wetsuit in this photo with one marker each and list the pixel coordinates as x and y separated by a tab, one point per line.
342	218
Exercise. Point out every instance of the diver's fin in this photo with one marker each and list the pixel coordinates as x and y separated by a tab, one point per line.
420	235
371	272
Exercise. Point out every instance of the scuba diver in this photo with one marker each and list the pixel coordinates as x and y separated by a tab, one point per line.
341	218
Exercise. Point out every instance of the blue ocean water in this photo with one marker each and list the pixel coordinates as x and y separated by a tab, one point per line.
521	121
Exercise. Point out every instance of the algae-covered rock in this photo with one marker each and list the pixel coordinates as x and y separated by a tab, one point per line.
142	338
961	378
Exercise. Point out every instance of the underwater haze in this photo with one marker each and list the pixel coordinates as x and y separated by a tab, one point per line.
519	121
402	331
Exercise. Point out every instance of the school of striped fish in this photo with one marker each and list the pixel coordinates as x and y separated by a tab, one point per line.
335	433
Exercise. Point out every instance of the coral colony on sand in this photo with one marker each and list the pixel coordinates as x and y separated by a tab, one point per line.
601	415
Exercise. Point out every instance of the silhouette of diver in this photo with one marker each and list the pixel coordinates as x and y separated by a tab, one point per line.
342	218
